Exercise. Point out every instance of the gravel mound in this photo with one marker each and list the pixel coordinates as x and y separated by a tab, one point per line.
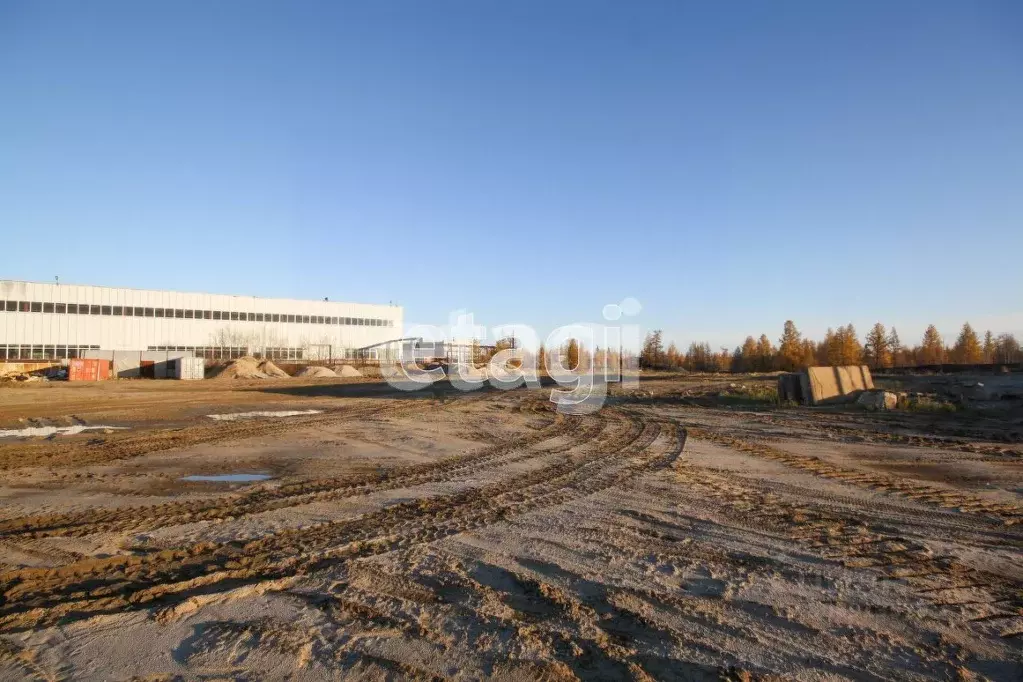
349	371
273	371
315	372
243	368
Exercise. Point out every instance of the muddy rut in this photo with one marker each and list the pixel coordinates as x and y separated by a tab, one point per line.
625	544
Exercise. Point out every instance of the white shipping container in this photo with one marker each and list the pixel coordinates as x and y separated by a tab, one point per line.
189	368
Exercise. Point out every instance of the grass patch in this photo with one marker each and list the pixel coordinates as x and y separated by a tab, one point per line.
926	404
750	394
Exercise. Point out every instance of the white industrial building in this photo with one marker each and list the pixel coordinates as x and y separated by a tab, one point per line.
50	320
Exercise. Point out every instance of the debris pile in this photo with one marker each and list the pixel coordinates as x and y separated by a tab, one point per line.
315	372
273	371
877	400
349	371
23	376
243	368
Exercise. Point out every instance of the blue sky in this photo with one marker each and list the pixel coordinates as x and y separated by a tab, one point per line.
730	165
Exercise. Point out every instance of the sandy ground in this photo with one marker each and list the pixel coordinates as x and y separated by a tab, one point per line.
676	534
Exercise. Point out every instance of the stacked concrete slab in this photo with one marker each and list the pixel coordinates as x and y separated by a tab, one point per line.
825	385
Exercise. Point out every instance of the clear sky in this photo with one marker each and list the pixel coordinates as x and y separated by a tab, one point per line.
730	165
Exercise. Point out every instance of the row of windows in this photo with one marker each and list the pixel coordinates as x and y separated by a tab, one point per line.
42	352
185	314
231	352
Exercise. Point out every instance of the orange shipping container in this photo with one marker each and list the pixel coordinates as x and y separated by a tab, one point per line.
82	369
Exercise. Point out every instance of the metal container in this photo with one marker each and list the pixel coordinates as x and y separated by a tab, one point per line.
190	368
85	369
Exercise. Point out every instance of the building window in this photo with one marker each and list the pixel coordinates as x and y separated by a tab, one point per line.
291	318
149	312
94	310
129	311
118	311
104	310
276	317
188	314
83	309
72	308
207	314
168	312
252	317
305	319
259	317
11	306
36	307
61	308
47	307
140	312
234	316
159	312
179	313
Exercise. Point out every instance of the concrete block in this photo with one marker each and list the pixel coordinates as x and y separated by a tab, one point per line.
837	384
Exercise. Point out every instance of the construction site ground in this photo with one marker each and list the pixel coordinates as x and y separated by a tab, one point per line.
691	529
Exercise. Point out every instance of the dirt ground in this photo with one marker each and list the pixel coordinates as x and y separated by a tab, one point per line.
689	530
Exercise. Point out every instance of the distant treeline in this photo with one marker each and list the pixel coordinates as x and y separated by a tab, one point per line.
880	348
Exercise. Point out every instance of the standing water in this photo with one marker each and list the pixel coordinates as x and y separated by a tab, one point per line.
228	478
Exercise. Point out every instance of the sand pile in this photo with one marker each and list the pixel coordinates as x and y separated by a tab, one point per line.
273	371
243	368
315	372
349	371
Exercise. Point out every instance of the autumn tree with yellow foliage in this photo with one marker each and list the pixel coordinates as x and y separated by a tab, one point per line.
932	351
882	348
790	350
876	351
967	350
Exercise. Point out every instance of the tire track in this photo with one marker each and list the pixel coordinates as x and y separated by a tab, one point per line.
33	597
267	499
1008	514
857	543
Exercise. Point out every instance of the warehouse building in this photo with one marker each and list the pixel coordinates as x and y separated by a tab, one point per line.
51	321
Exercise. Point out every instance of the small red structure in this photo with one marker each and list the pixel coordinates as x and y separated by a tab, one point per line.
88	369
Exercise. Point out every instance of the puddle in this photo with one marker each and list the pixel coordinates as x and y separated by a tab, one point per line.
44	431
228	478
254	415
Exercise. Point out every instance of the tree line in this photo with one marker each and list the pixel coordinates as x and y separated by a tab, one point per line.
880	348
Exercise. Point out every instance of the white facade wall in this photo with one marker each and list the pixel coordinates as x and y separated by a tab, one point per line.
345	325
